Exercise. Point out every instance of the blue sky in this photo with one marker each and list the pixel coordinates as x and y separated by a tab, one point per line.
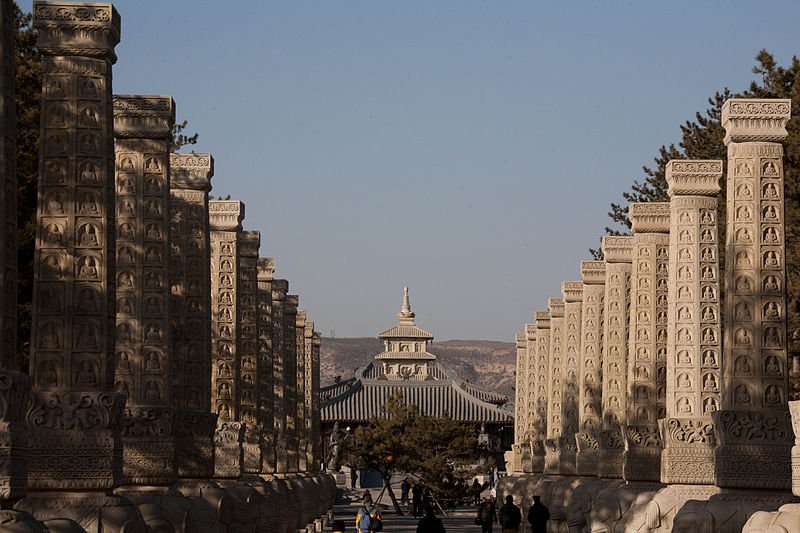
468	150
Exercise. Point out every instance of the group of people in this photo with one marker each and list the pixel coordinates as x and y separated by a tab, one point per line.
509	516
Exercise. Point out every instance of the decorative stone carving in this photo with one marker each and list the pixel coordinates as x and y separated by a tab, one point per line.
280	287
693	333
143	131
190	310
572	292
540	424
225	218
291	383
247	336
593	275
520	393
530	373
647	345
308	413
755	373
618	253
794	411
555	381
316	430
74	416
265	269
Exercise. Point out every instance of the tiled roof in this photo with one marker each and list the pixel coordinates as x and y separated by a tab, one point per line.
405	331
423	356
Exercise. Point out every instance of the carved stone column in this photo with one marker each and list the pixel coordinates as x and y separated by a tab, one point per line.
593	276
753	432
693	333
290	379
618	252
143	130
647	347
794	411
266	267
75	416
539	434
527	368
520	392
280	287
300	338
190	313
15	393
308	394
572	292
316	431
249	243
225	222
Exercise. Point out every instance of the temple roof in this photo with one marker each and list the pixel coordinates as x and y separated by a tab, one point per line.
405	328
361	398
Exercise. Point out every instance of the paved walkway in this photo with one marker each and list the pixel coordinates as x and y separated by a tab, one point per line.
462	520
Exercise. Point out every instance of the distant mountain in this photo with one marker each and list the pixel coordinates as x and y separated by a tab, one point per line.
488	364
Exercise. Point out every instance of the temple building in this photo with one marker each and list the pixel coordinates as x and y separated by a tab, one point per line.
405	366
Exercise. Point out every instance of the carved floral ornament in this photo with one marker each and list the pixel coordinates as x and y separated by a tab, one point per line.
697	178
650	217
617	249
754	120
95	29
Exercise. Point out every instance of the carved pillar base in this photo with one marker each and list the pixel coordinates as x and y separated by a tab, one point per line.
522	456
552	454
587	454
95	512
559	459
15	389
75	441
280	511
688	456
794	411
642	458
537	456
252	448
268	457
611	448
228	449
754	449
148	454
213	505
163	506
281	455
292	458
302	459
194	436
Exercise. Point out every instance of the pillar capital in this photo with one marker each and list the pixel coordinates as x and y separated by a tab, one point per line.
530	332
650	217
77	29
617	249
249	243
698	177
317	339
593	272
191	171
572	291
542	319
521	340
225	215
556	306
143	117
755	119
266	268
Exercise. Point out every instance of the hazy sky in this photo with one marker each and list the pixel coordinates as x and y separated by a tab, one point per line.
468	150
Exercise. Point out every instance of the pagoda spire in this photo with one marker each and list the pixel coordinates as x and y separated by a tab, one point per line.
406	316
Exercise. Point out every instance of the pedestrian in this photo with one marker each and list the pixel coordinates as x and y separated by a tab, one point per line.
430	523
363	518
353	477
405	486
487	515
476	491
538	515
491	477
416	499
510	516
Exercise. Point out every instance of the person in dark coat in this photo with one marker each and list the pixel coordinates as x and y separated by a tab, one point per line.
538	515
476	492
416	499
510	516
487	514
405	486
430	523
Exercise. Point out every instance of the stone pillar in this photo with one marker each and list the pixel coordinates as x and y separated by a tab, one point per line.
316	422
266	267
280	288
693	343
530	381
539	434
74	420
249	244
520	392
593	276
13	439
618	253
555	387
300	333
225	222
647	346
144	357
794	410
753	431
572	292
290	379
308	396
190	313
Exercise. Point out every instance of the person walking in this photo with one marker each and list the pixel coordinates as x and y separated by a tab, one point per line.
510	516
363	518
405	486
538	515
353	477
430	523
476	490
487	515
416	499
367	497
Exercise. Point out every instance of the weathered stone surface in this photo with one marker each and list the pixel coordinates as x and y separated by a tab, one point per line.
265	269
290	305
593	275
693	334
555	387
247	339
280	288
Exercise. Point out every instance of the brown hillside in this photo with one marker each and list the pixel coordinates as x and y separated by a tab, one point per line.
489	364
